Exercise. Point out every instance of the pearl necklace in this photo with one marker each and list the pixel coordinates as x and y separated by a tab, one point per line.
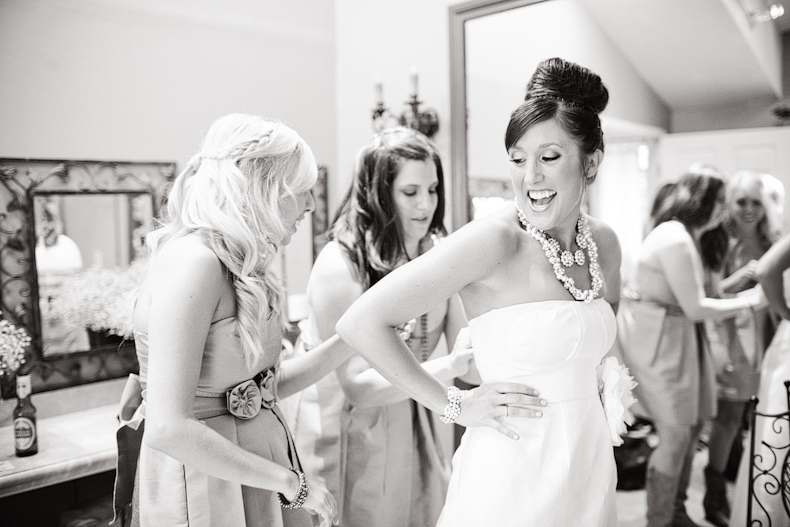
551	248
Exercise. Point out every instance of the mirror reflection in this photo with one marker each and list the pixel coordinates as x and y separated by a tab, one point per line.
85	245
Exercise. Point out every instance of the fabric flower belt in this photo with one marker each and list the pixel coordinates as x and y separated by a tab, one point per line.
247	398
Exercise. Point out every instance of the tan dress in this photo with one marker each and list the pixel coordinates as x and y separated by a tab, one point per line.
393	470
173	494
668	357
384	464
738	345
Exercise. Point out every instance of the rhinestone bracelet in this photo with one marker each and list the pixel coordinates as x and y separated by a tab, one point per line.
453	408
301	494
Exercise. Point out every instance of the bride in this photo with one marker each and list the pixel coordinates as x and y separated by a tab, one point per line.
540	282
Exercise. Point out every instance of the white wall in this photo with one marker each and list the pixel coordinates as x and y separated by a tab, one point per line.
386	39
750	114
135	80
502	52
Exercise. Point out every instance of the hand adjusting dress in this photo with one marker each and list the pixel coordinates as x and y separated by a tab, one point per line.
176	495
561	472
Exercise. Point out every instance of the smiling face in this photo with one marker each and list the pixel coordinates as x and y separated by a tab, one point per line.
415	196
746	204
293	212
547	171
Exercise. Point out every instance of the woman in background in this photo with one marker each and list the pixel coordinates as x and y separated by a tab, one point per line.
737	343
208	331
391	470
662	345
663	194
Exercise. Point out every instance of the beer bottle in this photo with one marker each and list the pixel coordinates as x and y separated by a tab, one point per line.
25	433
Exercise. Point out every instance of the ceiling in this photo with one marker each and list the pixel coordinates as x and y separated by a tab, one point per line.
697	53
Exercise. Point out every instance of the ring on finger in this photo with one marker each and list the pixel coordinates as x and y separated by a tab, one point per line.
507	411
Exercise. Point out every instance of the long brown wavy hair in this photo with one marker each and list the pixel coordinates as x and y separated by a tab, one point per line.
366	225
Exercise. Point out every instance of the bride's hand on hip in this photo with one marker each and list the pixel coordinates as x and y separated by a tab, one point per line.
490	403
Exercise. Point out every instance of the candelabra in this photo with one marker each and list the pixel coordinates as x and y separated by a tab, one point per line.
425	121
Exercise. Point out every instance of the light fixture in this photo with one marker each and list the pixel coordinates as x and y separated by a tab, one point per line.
425	121
772	12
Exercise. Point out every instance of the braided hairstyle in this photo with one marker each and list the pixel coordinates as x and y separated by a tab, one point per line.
366	225
231	194
565	91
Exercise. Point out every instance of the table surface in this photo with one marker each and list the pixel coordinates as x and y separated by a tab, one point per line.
70	446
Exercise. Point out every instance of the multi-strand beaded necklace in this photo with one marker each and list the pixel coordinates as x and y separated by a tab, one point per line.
558	258
406	331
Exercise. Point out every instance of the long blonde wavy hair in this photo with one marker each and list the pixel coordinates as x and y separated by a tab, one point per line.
232	194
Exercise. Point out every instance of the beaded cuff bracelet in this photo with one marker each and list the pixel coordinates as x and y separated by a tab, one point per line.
301	494
453	408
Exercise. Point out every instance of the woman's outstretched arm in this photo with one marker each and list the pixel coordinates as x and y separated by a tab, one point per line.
468	256
331	290
684	273
770	270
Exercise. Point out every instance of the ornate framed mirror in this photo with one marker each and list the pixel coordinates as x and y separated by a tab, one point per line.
71	250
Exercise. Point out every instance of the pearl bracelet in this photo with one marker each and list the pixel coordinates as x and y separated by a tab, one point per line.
301	494
453	408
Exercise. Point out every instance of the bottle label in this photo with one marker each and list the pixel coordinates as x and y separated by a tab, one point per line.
22	386
24	433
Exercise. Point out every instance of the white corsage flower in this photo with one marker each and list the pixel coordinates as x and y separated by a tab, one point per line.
615	386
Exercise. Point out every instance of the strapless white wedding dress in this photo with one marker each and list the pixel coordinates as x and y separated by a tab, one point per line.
561	472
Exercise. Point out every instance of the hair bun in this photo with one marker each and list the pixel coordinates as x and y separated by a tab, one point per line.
576	85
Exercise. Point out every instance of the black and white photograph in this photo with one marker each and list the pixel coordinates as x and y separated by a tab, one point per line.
363	263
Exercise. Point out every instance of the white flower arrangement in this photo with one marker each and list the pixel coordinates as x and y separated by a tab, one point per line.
100	299
14	343
615	386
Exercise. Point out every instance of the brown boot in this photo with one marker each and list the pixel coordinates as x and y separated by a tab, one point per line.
681	519
661	489
717	510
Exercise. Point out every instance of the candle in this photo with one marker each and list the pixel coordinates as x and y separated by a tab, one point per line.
414	81
379	91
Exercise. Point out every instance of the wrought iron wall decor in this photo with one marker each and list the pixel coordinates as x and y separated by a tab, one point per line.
21	182
769	467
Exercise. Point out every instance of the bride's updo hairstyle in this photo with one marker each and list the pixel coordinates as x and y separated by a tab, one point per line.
232	193
568	92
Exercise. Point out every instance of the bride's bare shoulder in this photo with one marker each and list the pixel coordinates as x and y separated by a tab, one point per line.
497	232
603	234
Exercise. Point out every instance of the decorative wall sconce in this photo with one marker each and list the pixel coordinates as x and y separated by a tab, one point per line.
772	12
425	121
761	10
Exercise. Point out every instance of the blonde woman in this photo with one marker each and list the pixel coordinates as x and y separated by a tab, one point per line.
738	343
208	330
